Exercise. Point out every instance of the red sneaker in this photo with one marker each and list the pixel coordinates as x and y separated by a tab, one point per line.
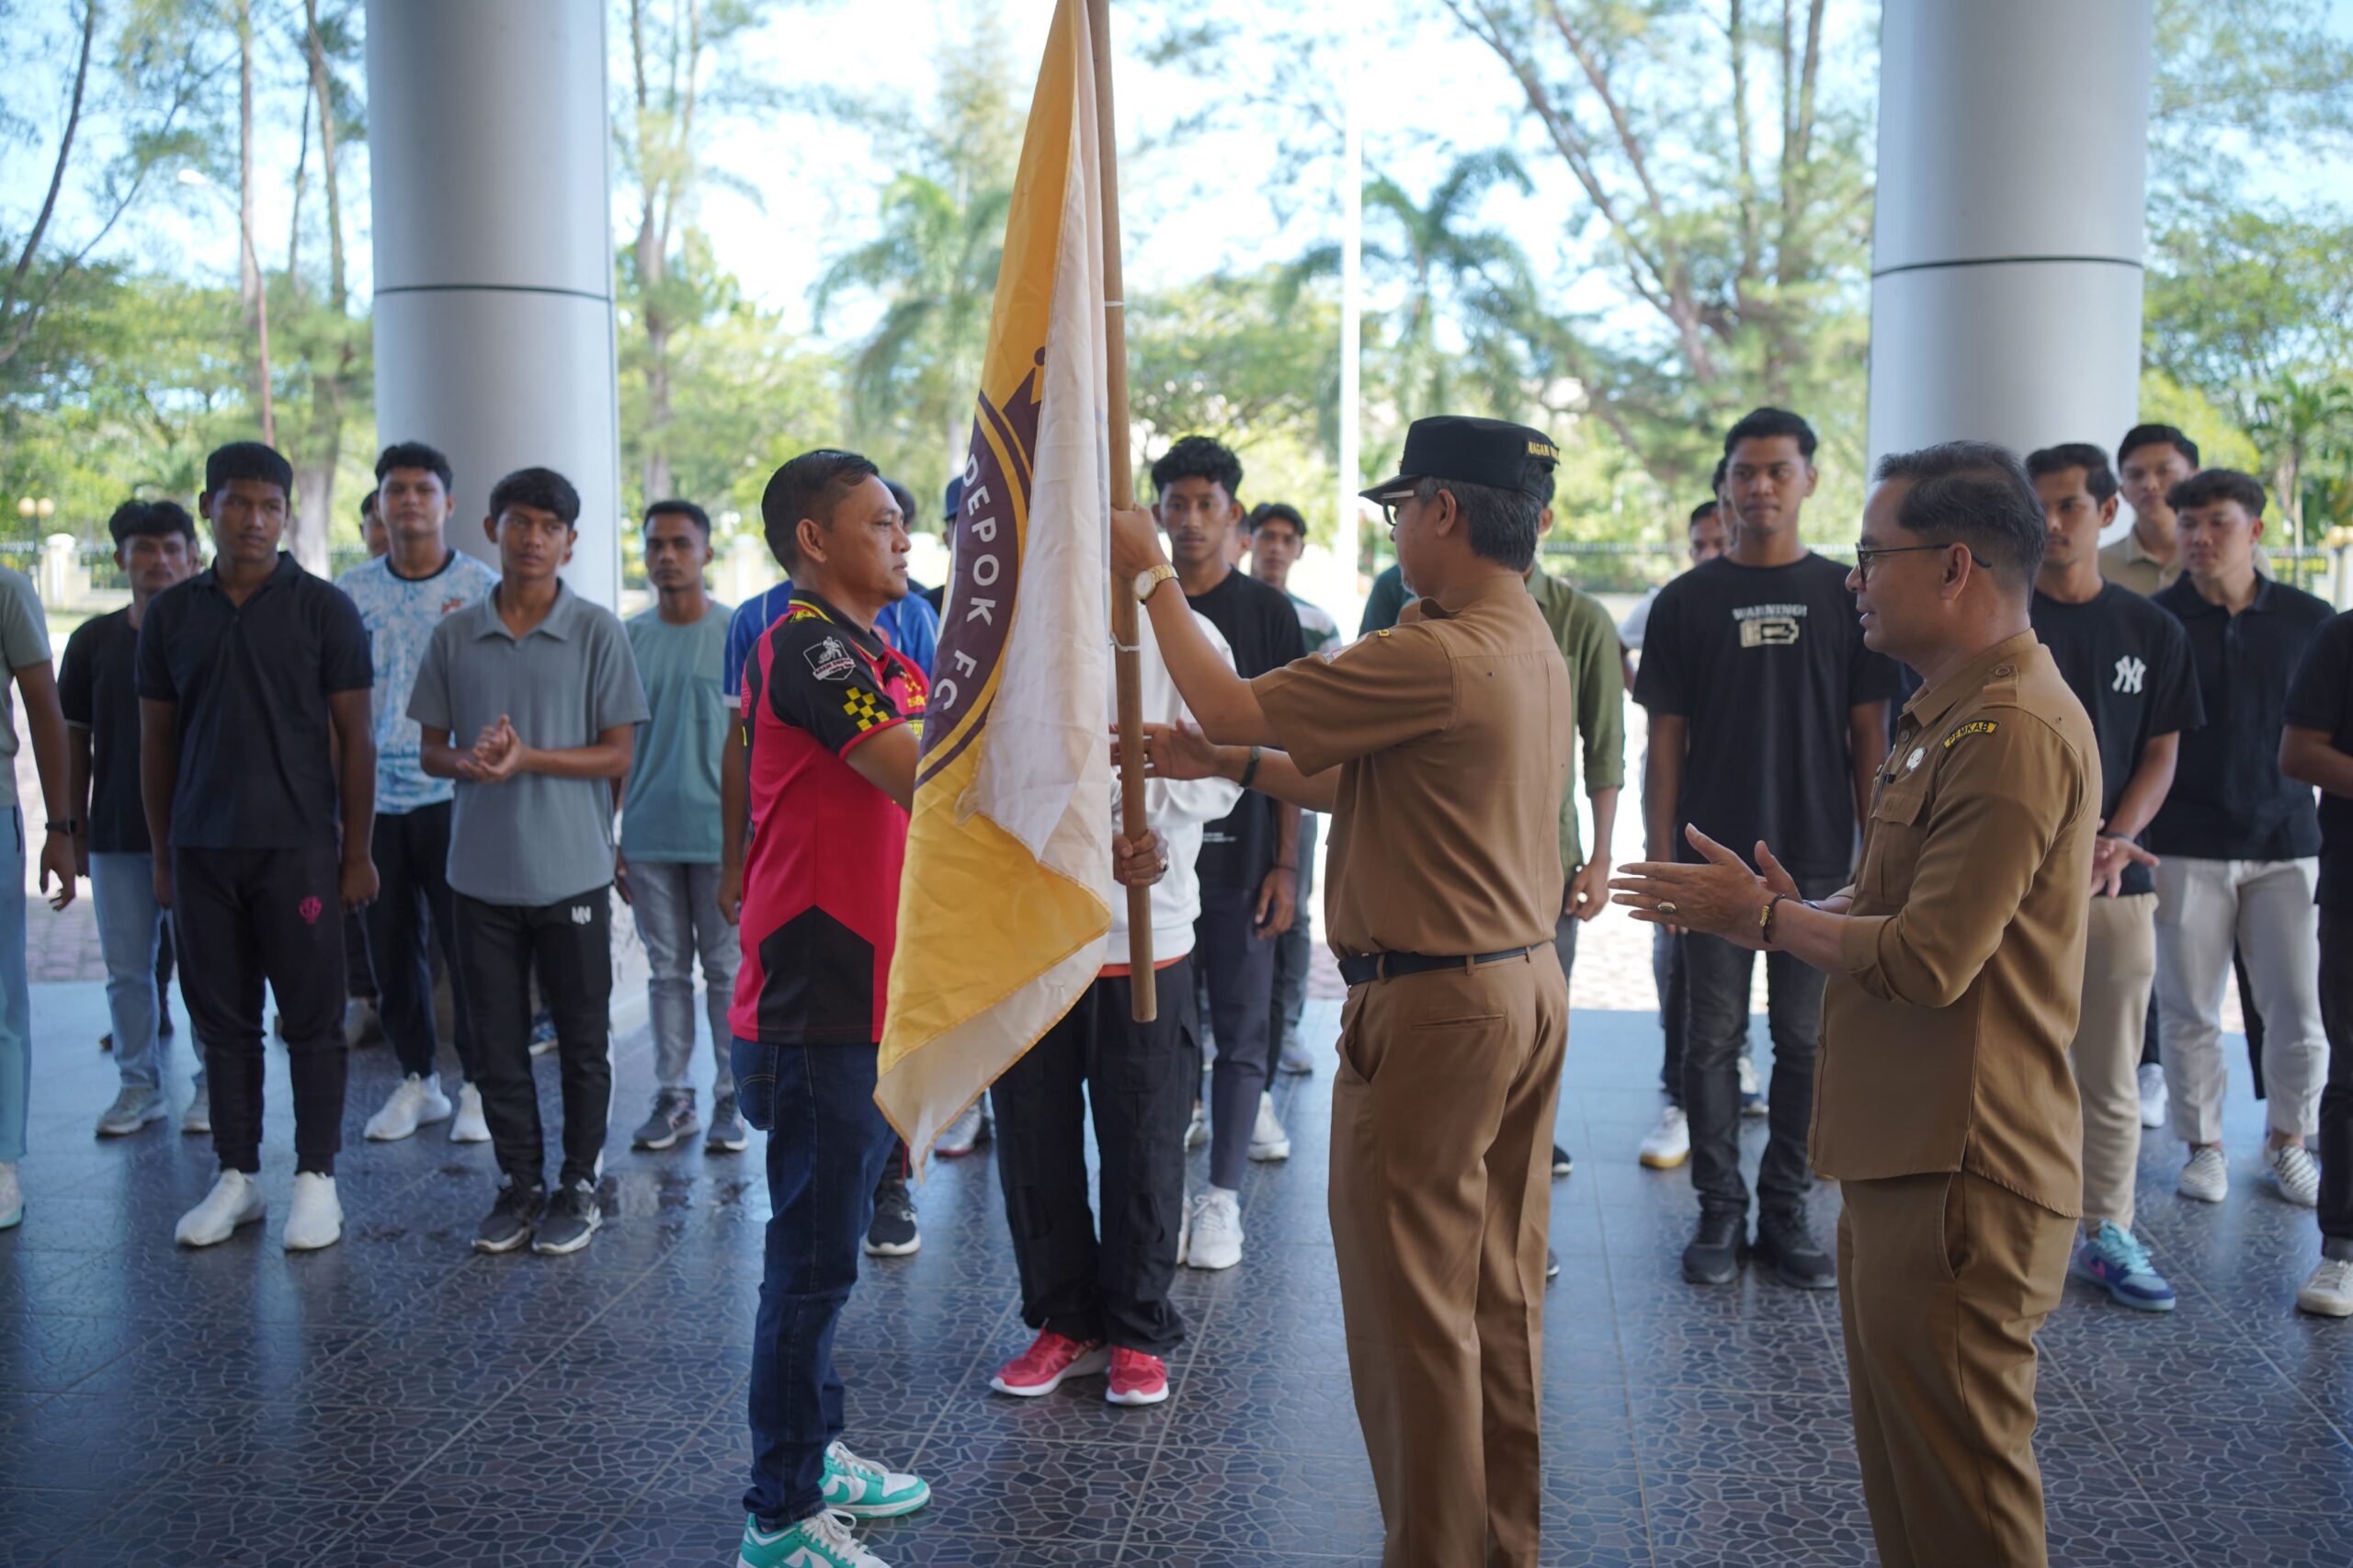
1041	1369
1137	1378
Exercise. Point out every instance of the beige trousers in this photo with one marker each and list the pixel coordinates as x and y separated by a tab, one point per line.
1942	1281
2119	962
1441	1201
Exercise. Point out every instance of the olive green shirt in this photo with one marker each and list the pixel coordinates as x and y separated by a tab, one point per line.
1588	643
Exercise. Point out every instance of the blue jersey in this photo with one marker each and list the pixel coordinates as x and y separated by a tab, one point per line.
910	626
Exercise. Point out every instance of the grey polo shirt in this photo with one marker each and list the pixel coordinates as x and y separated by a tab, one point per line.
532	840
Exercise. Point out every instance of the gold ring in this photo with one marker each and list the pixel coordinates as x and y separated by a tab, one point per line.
1665	906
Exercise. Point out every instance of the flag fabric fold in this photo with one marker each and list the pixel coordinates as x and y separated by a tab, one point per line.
1005	896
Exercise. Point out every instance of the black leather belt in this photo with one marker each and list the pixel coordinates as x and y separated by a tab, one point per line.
1388	966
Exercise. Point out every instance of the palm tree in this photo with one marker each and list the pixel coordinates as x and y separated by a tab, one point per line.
2295	423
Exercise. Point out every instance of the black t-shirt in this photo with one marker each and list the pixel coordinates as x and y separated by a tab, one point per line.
98	688
2321	697
2128	663
2229	800
252	683
1766	664
1263	629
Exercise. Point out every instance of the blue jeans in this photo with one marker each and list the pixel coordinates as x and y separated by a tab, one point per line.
131	930
677	918
828	1142
15	996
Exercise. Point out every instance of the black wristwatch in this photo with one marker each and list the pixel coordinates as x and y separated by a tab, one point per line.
69	827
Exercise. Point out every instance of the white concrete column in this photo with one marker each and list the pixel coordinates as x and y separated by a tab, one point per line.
488	143
2005	277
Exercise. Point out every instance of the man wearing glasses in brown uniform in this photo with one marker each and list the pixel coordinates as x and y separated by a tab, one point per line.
1441	749
1943	1102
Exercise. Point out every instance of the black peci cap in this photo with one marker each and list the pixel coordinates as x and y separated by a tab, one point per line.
1493	452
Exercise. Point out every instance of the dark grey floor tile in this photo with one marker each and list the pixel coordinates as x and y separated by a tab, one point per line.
166	1528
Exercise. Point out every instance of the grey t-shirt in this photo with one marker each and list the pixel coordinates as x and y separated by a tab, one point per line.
532	840
24	640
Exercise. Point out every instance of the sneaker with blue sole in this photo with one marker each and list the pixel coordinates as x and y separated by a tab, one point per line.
865	1489
2118	1263
821	1540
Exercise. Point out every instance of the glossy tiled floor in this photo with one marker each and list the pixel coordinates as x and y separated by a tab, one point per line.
398	1401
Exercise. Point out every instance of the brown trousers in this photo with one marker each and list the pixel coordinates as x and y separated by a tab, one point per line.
1942	1281
1441	1201
2119	961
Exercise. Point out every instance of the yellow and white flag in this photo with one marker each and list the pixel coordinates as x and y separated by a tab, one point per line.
1006	893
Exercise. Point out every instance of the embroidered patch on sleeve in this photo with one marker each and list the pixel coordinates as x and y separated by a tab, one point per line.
1975	727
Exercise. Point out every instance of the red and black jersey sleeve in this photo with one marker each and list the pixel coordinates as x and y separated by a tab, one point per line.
819	679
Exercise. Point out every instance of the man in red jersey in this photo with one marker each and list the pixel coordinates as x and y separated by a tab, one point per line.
825	763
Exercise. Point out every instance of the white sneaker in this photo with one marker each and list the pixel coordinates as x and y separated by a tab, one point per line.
2295	1175
1267	1140
2207	1176
1752	1092
413	1102
1213	1230
1669	1143
235	1200
315	1219
2152	1094
468	1126
821	1540
12	1197
966	1132
2329	1292
133	1109
197	1121
1198	1131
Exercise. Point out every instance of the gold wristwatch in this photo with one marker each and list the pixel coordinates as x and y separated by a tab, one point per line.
1150	578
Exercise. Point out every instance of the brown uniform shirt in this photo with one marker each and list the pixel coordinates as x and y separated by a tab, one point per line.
1944	1041
1451	733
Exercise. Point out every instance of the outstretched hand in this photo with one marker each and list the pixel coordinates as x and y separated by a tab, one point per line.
1722	897
1174	752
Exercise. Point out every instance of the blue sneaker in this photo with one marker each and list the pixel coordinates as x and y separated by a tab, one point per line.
2117	1262
865	1489
821	1540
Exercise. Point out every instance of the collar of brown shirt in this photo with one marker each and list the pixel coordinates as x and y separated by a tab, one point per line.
1452	732
1945	1039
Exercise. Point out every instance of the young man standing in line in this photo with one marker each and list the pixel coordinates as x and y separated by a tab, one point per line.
1668	1144
669	860
2128	663
1249	860
2241	844
1769	720
2317	749
824	773
402	595
2150	460
1277	534
257	770
98	688
1105	1306
528	698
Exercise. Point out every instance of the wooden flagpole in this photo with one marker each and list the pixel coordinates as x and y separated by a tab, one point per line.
1127	669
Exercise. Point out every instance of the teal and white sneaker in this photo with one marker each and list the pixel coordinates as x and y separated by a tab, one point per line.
864	1490
2118	1262
821	1540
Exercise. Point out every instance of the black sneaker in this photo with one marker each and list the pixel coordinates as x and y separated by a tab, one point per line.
508	1224
1787	1243
894	1232
571	1218
1551	1266
1713	1257
728	1133
674	1118
1562	1162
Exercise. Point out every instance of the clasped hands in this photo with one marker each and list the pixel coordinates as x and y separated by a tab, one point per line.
497	753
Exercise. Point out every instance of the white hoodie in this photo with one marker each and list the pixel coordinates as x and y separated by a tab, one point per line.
1177	812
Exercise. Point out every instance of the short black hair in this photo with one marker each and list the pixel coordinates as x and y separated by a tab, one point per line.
811	486
1198	456
367	504
135	518
2142	435
1764	423
677	507
1278	511
2098	478
904	497
247	460
2211	486
1704	509
1716	480
1976	493
541	488
1502	523
416	454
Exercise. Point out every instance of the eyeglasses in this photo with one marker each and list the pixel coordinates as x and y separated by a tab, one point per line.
1390	500
1866	554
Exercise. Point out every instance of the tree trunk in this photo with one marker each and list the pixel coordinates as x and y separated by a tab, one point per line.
248	263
